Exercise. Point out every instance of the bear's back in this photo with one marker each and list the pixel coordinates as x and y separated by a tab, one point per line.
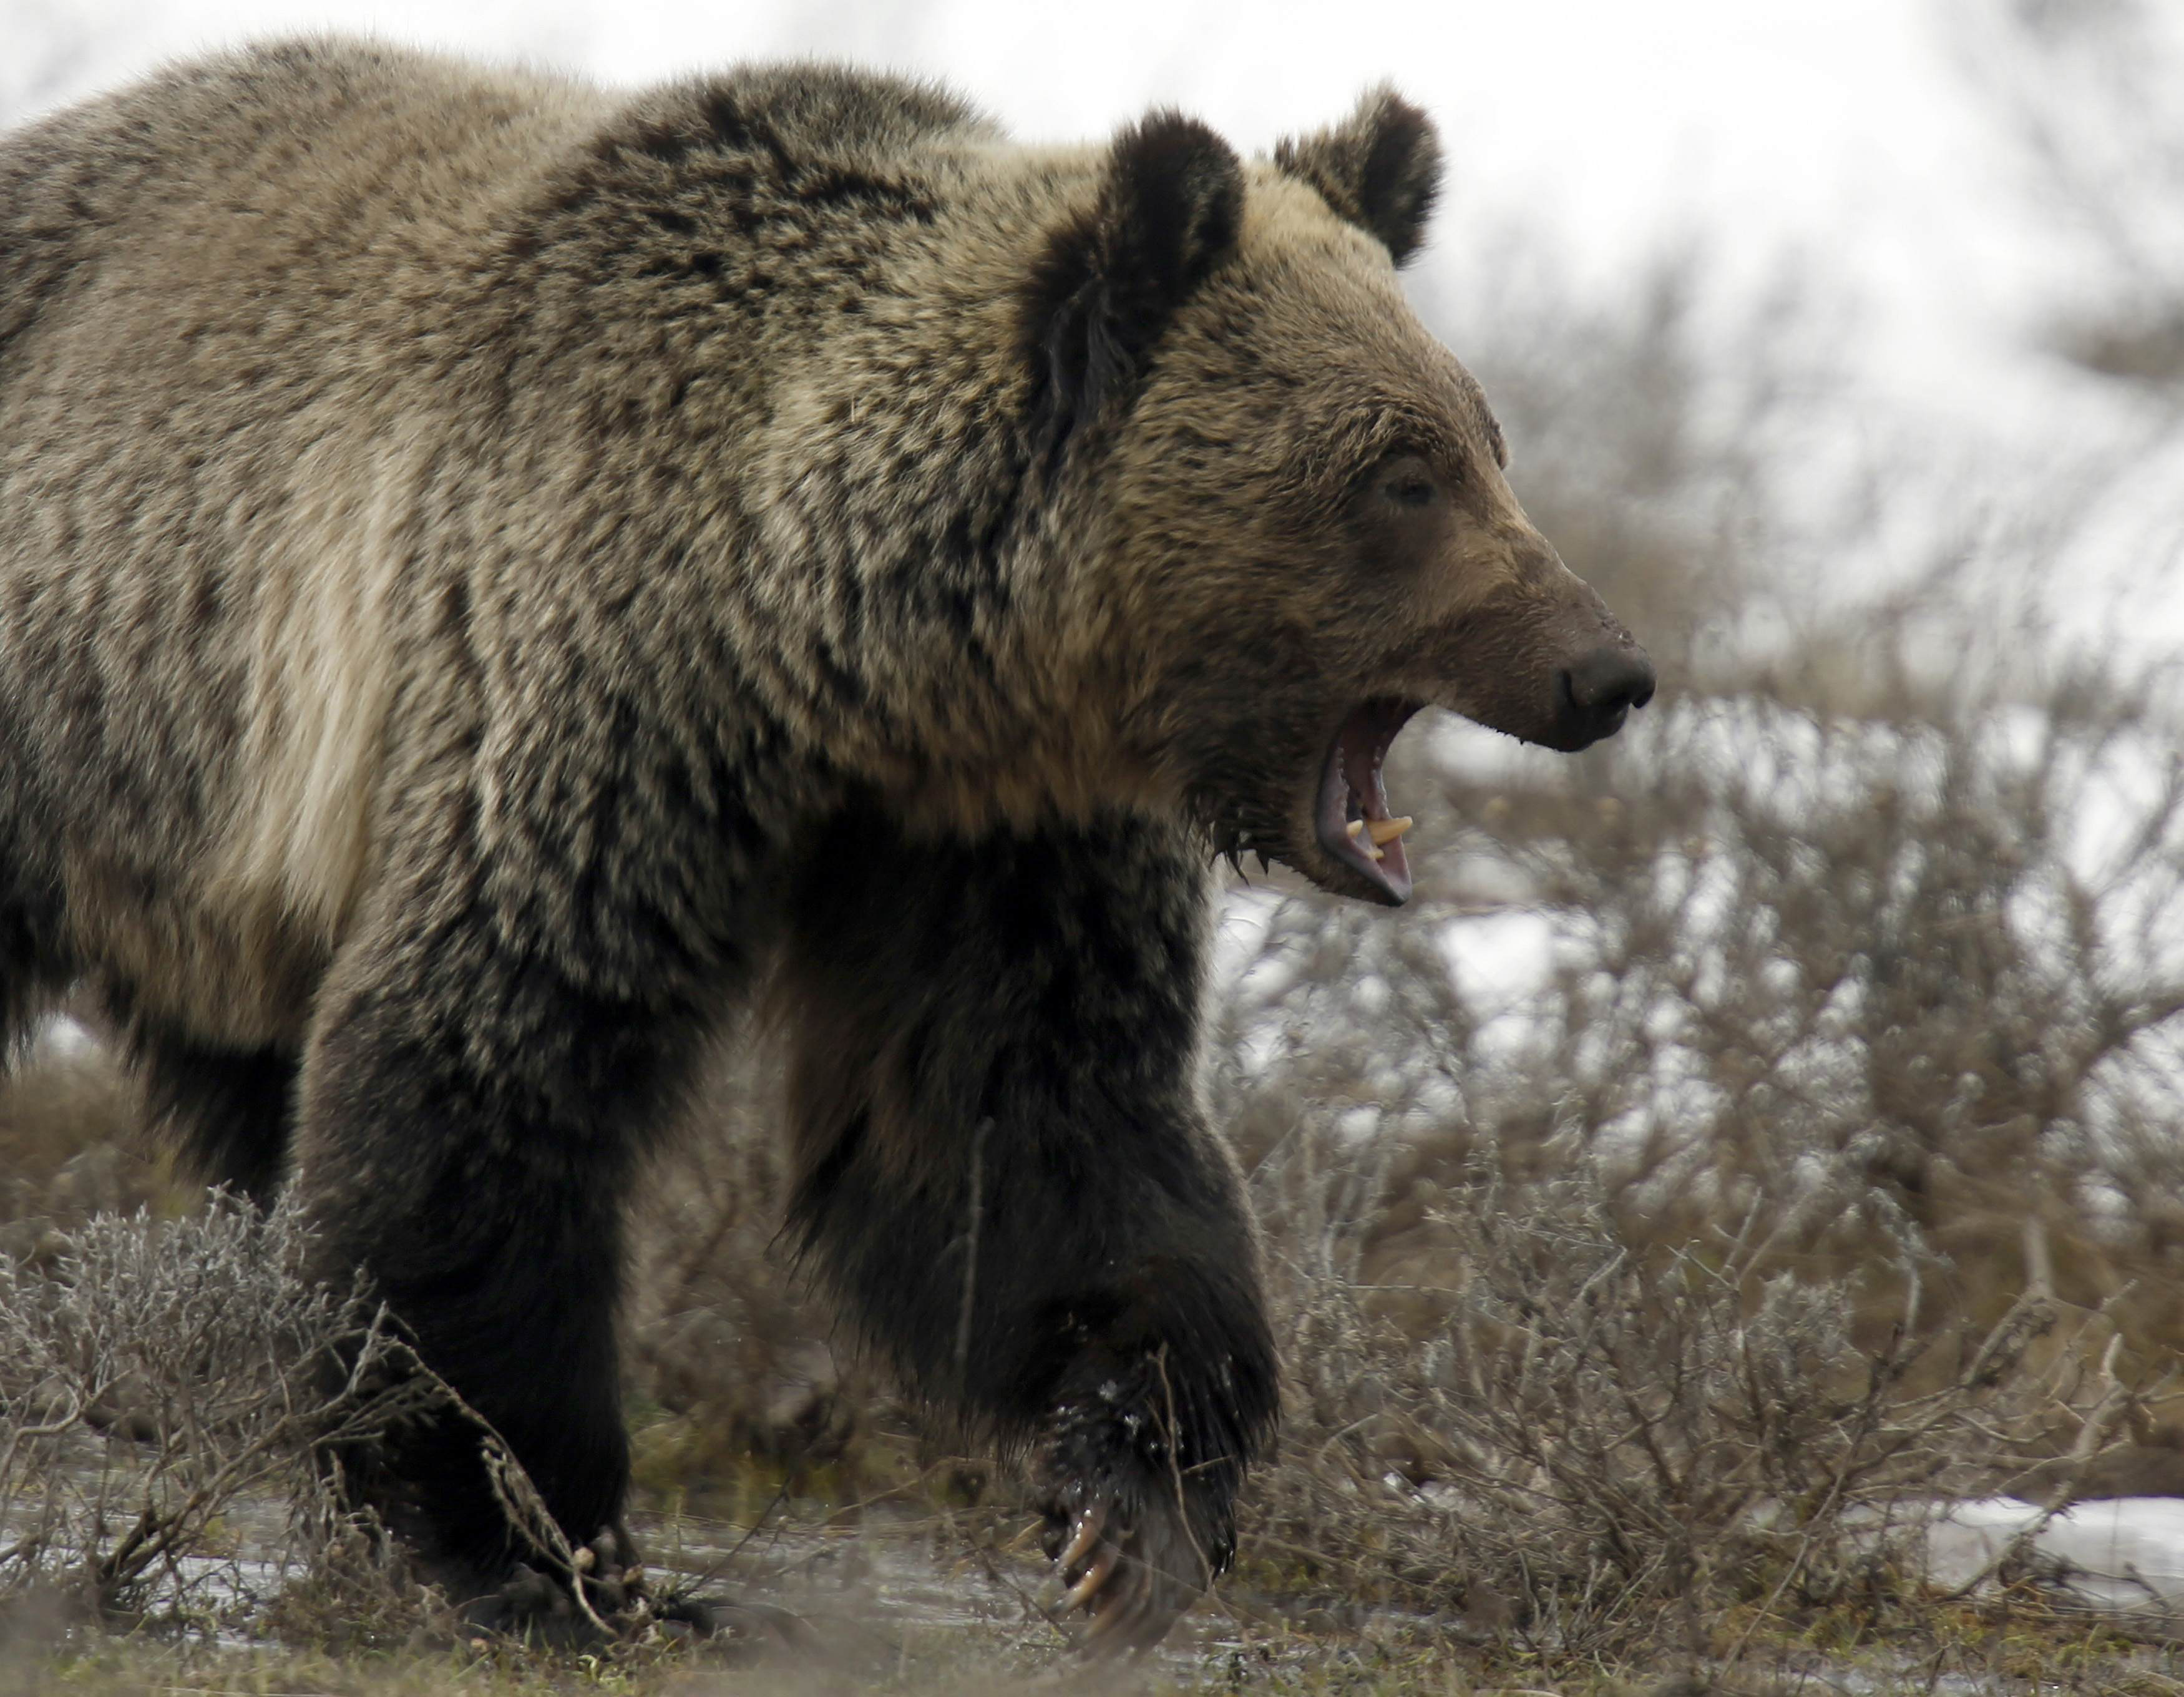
344	164
232	173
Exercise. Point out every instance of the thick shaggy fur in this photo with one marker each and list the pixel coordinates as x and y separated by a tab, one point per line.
489	567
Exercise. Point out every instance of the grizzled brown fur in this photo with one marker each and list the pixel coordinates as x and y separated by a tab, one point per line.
492	571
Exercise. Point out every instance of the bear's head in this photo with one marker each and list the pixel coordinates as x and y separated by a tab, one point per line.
1304	525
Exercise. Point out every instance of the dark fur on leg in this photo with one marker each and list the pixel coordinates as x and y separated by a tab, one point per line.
472	1119
35	964
228	1112
1007	1177
34	969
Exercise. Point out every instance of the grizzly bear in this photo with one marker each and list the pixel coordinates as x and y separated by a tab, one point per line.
496	574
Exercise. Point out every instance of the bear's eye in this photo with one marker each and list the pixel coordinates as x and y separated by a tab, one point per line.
1407	481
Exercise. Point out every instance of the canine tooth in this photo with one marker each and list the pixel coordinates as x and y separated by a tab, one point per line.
1387	831
1356	826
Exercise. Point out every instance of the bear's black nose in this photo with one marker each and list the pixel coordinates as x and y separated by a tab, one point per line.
1598	692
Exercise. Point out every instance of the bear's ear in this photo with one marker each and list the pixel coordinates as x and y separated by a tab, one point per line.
1381	170
1112	278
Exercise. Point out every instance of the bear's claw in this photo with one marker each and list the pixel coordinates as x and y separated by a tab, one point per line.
1133	1582
1095	1576
1082	1541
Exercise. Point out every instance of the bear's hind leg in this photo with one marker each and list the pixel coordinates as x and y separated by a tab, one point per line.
35	965
228	1112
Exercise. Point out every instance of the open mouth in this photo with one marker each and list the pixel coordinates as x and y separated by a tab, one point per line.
1355	825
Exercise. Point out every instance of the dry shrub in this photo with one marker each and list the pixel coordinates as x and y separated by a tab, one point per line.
1820	1160
1931	947
164	1385
1613	1444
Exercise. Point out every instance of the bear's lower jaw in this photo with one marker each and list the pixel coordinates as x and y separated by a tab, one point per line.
1353	822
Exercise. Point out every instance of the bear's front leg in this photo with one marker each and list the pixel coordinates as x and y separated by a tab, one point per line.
1007	1174
472	1110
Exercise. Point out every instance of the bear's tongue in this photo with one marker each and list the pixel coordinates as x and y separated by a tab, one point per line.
1354	824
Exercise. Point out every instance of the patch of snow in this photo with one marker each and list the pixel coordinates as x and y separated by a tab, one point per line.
2124	1554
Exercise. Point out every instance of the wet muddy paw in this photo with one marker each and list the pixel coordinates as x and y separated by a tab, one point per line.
529	1606
1138	1514
1130	1576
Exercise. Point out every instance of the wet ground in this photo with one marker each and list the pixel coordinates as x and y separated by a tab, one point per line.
865	1594
952	1599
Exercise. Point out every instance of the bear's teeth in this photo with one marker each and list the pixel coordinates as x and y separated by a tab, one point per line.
1357	828
1387	831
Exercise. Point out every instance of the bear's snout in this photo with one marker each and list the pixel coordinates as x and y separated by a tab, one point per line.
1594	696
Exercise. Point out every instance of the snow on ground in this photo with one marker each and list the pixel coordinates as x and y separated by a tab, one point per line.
2121	1556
